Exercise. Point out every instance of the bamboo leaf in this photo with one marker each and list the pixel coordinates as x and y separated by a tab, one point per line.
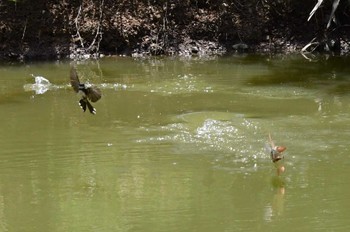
318	4
334	8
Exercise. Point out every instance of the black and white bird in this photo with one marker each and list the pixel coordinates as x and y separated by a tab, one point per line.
91	93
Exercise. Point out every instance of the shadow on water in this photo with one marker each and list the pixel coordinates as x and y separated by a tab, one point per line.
329	73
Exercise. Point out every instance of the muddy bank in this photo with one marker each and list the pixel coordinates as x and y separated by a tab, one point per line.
70	29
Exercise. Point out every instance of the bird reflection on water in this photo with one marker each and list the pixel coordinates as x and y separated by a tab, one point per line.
277	205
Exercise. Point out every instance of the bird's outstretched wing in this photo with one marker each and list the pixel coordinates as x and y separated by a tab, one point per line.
74	80
93	93
271	141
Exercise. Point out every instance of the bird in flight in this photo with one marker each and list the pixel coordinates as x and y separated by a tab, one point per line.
91	93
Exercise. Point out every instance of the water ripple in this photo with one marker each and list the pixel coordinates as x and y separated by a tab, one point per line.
236	143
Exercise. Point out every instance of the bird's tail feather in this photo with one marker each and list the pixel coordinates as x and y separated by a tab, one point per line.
91	108
82	104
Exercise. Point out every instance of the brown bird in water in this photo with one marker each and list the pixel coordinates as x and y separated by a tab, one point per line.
91	93
276	151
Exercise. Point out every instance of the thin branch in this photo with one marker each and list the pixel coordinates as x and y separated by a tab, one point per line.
77	27
24	29
98	34
304	49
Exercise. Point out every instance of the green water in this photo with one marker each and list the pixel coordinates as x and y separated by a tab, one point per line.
177	145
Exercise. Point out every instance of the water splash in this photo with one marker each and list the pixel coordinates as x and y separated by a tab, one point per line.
234	144
40	86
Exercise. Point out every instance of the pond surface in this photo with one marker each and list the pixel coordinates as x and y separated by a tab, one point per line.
176	145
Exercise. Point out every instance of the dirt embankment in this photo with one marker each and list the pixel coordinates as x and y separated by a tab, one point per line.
49	29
